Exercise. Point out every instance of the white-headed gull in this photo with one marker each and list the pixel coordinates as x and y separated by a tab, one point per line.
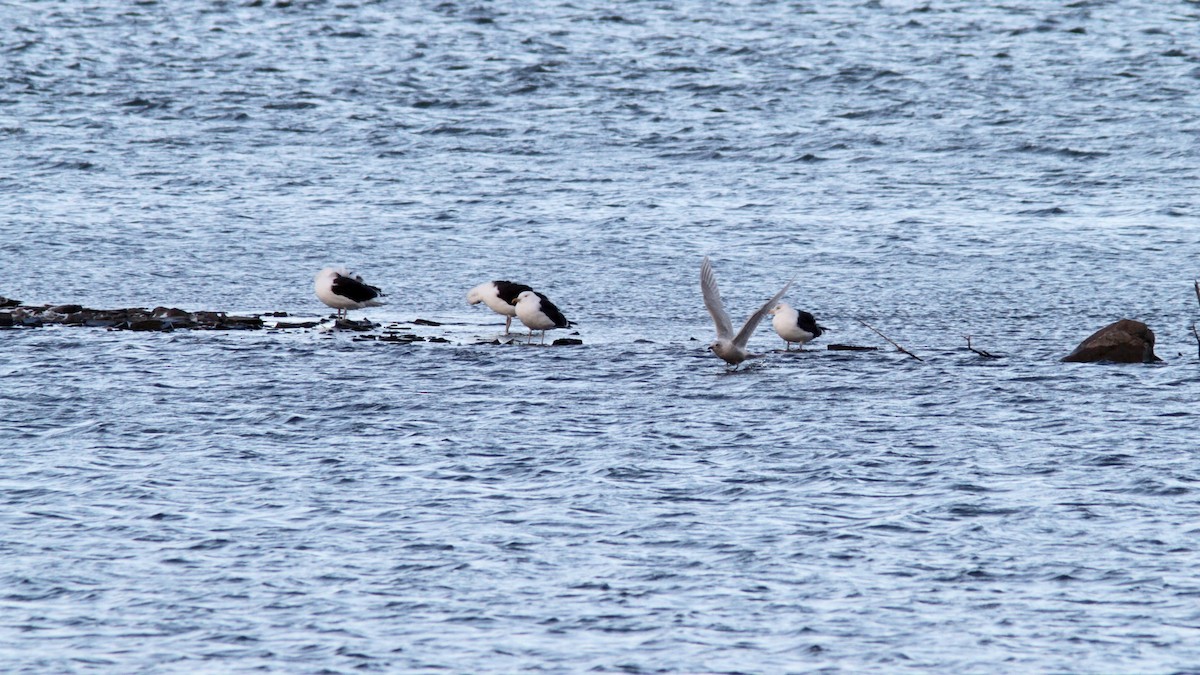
795	325
730	347
538	313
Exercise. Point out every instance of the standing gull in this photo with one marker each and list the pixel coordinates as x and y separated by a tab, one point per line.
728	346
500	297
794	325
344	290
538	313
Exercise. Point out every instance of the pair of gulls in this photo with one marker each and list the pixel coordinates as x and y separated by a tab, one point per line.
790	324
344	290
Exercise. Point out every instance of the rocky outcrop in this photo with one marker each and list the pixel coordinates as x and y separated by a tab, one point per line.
134	318
165	319
1125	341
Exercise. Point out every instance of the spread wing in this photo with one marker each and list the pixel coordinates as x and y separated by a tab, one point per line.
712	300
747	330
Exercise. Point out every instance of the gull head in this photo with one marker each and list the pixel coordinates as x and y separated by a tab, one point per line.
729	352
475	295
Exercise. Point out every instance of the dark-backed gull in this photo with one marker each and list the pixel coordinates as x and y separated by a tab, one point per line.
344	290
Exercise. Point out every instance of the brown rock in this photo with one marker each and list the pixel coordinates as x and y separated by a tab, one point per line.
1125	341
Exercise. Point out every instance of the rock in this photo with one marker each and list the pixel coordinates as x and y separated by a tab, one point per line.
850	348
351	324
6	320
147	324
561	342
170	313
295	324
1125	341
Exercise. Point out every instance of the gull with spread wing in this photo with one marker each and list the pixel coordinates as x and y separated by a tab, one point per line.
728	346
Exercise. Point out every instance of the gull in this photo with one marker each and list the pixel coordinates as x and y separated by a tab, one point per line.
344	290
795	325
728	346
499	296
538	313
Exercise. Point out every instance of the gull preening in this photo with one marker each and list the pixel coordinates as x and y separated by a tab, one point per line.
344	290
795	325
730	347
500	297
538	313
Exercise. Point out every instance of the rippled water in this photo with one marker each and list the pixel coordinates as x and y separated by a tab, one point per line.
298	501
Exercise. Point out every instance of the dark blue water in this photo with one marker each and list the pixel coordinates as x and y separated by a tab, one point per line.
298	501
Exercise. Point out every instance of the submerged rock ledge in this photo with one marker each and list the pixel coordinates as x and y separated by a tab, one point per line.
131	318
166	319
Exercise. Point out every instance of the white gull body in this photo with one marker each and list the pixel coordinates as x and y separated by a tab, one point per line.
795	326
344	290
730	347
538	313
500	297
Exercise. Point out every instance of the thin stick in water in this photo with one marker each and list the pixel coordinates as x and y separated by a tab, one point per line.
889	339
984	354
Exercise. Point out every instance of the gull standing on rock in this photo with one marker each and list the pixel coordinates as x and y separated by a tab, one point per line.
730	347
500	297
344	290
794	325
538	313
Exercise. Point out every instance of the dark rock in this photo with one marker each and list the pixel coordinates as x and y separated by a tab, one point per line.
6	320
170	313
425	322
23	316
348	324
208	319
1125	341
850	348
566	341
241	323
403	338
66	309
296	324
147	325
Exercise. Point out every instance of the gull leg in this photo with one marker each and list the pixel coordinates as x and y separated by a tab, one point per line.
507	324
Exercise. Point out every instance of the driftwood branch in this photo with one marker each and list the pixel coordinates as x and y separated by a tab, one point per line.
1194	331
984	354
876	330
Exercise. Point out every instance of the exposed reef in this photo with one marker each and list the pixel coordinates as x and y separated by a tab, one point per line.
165	319
134	318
